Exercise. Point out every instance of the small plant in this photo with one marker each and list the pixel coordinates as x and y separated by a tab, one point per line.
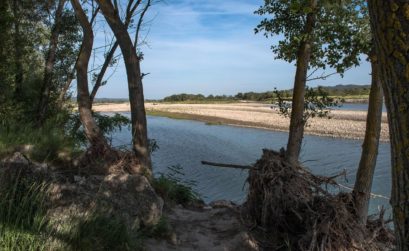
173	188
160	230
317	103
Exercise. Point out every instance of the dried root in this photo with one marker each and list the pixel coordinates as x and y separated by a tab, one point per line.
291	209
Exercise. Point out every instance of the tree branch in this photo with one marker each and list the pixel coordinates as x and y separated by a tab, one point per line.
226	165
138	27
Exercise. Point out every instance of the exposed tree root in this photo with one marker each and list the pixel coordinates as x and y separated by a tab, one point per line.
292	210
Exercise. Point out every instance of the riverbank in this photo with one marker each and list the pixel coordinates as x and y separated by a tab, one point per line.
343	123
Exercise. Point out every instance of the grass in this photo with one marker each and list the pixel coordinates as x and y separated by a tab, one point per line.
170	115
47	144
215	101
24	224
22	216
100	232
173	188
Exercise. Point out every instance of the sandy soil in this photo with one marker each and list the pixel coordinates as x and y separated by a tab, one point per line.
343	124
213	229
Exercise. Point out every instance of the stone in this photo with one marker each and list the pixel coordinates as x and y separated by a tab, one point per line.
133	196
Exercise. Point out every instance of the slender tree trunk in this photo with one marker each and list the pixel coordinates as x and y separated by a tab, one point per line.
136	98
364	176
92	132
104	68
390	28
66	87
49	64
18	55
297	122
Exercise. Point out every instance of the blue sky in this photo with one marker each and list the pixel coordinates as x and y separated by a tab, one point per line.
209	47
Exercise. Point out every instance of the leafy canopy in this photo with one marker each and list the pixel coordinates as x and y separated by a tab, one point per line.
340	35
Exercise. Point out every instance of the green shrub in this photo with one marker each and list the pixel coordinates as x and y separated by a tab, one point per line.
173	188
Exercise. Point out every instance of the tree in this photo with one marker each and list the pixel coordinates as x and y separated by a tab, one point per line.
133	71
49	63
367	163
316	34
98	143
390	28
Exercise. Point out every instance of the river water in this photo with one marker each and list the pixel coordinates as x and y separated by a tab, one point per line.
186	143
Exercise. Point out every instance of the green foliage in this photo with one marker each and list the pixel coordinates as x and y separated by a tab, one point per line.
49	143
23	216
106	123
341	32
100	232
173	188
24	224
338	90
317	103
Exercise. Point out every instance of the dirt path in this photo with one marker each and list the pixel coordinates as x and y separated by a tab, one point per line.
212	229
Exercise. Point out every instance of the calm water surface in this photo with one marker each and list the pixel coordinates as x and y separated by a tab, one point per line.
356	107
186	143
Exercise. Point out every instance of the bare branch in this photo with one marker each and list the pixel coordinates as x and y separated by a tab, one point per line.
225	165
138	27
129	13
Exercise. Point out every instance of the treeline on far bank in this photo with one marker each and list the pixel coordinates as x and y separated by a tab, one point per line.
341	91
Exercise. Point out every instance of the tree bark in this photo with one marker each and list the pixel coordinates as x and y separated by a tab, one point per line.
49	64
136	98
364	177
297	121
98	143
390	28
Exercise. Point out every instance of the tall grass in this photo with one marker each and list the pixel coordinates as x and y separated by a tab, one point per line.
24	225
22	216
46	143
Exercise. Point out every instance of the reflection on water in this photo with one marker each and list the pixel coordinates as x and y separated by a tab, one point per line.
187	142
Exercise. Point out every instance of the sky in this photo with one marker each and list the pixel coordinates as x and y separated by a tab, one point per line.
209	47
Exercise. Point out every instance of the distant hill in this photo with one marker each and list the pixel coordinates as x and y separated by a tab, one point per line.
341	91
348	90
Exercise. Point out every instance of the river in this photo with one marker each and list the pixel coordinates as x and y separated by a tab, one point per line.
186	143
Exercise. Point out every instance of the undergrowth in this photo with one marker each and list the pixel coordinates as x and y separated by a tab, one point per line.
24	225
173	188
22	216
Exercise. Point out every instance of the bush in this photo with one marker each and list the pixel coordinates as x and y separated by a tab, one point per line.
173	189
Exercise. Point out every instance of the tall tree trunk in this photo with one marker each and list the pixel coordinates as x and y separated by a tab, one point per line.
390	27
364	176
297	122
18	55
133	71
92	131
49	64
